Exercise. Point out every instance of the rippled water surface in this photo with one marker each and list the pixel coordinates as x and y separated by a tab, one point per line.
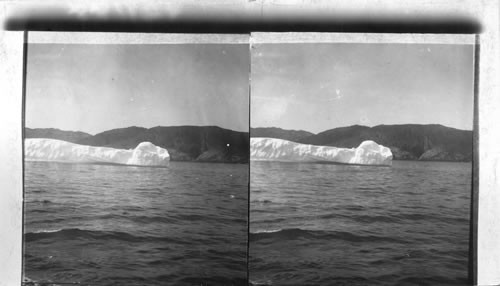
121	225
318	224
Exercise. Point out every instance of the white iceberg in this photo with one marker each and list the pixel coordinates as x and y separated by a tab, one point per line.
272	149
145	154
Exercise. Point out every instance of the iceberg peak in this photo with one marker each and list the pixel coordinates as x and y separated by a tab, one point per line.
146	153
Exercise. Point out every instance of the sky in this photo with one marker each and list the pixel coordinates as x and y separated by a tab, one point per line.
94	88
316	87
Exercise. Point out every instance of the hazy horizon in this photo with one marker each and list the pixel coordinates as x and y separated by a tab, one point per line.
252	127
184	125
96	87
317	87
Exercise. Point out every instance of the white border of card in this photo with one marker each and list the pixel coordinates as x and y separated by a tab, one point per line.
488	104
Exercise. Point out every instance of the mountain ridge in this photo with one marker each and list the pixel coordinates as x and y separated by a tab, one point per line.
286	134
54	133
424	142
184	143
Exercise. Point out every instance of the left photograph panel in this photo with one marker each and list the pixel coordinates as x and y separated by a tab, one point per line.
136	151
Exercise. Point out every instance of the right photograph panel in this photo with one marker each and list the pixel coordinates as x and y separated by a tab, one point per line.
361	157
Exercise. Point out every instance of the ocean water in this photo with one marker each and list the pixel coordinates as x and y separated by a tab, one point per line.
185	224
320	224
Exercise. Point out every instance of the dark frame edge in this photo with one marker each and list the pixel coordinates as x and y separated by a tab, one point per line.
23	124
249	152
475	171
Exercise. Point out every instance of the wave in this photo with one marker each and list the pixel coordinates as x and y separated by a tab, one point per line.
298	233
363	218
259	283
46	231
91	235
433	280
39	202
262	202
143	219
266	231
208	280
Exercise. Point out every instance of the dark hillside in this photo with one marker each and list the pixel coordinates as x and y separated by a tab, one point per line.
409	141
184	143
53	133
273	132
